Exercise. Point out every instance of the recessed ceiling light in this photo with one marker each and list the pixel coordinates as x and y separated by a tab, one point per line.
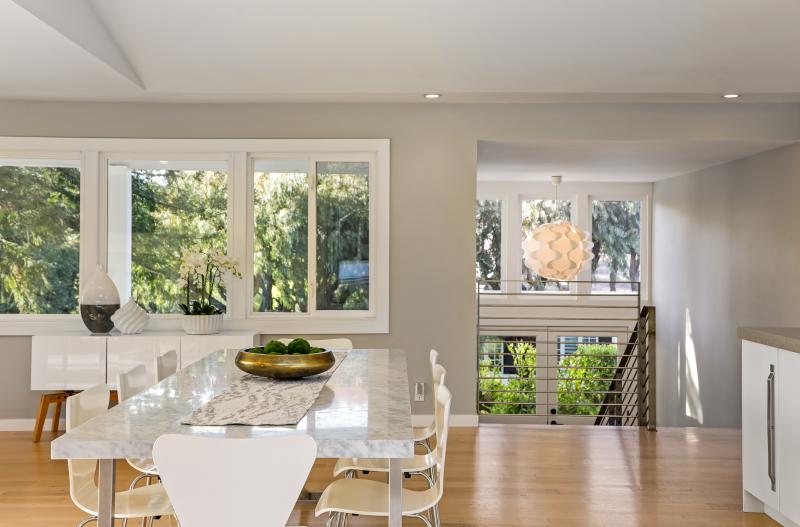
731	96
164	162
432	95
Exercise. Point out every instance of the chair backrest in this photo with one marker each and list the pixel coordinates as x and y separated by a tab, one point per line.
443	400
439	373
328	344
214	481
133	381
166	365
80	408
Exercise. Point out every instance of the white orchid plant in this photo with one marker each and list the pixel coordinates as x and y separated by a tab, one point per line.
203	273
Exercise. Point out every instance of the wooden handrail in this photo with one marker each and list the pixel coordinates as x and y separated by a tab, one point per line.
641	345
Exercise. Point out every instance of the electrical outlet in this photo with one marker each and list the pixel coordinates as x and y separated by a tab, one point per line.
419	391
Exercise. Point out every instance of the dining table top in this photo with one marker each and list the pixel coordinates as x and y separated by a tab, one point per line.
364	410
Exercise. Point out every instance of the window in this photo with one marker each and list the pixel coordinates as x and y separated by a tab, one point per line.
339	222
306	219
617	216
280	260
487	244
39	236
507	375
156	209
342	235
586	365
616	234
534	213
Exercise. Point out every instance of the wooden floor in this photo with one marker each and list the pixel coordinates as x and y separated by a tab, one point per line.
496	476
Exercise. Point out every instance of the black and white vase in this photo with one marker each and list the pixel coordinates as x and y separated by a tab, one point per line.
99	300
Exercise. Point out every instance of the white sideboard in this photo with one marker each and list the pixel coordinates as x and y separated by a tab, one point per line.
76	361
771	431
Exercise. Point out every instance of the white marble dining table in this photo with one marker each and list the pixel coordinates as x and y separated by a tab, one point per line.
364	410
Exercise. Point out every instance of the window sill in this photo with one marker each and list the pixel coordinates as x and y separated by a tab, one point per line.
29	325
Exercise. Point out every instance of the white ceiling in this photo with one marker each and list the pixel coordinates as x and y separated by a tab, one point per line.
367	50
623	161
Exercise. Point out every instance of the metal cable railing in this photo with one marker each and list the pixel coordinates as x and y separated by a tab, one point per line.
582	354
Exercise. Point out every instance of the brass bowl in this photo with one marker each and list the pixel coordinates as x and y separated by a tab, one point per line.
284	366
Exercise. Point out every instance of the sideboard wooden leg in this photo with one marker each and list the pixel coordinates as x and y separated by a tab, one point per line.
44	404
57	413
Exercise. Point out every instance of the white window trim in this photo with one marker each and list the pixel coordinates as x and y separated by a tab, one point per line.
581	195
93	154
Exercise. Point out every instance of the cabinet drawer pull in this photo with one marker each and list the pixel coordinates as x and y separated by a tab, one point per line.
771	427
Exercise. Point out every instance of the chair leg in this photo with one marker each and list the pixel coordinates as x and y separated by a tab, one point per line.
41	415
425	520
424	444
86	521
136	480
425	475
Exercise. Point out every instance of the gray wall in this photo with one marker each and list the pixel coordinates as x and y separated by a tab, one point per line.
432	191
725	254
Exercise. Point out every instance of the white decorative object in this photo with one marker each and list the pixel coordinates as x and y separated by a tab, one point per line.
130	319
202	324
557	250
99	300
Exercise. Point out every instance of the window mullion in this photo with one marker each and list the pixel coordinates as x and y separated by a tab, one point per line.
582	216
312	236
513	236
239	243
92	203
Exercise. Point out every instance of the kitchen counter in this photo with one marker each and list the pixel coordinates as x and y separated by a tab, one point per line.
782	338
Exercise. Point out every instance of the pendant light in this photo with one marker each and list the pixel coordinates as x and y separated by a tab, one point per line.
557	250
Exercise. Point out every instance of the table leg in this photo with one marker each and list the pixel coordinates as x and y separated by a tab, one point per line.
395	492
105	482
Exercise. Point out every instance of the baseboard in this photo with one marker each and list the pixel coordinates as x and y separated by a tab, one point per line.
457	420
23	425
778	517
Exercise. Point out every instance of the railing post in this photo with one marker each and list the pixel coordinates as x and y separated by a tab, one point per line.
641	386
651	368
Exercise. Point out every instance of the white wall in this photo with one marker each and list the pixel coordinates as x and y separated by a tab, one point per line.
726	253
433	167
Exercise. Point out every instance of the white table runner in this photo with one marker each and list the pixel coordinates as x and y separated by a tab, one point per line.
259	401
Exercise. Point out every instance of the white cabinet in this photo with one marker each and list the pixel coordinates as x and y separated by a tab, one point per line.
771	432
788	432
759	388
195	347
127	351
74	362
78	361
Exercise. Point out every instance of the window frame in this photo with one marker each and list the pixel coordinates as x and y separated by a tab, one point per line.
312	158
93	155
24	321
580	195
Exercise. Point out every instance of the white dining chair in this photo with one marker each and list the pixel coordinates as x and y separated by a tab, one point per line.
419	465
422	436
328	344
166	365
129	384
368	497
240	482
142	502
133	382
